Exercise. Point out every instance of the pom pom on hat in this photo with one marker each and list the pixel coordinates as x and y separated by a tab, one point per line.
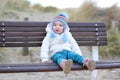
63	14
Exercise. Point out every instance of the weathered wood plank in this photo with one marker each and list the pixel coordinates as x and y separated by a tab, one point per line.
50	67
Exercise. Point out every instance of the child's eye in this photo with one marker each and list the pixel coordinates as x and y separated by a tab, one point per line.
61	25
54	25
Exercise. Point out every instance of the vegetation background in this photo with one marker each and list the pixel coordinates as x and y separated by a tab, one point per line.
20	10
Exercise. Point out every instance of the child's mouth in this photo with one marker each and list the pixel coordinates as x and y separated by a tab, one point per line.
57	30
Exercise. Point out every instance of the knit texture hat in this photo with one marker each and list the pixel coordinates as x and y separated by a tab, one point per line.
62	17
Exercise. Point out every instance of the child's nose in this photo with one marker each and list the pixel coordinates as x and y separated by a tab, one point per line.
57	26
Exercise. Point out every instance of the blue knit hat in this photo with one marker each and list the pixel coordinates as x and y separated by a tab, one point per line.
62	17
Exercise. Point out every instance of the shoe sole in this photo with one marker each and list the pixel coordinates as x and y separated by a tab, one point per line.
91	65
68	66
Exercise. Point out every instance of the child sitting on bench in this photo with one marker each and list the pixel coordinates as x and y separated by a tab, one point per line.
61	46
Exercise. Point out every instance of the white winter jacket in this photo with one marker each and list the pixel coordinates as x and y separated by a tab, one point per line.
52	45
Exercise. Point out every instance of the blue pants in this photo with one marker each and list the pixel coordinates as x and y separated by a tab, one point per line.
64	55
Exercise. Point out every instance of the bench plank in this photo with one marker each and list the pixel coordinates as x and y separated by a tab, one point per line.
71	24
18	68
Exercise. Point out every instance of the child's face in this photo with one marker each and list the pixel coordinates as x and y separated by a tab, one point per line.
58	27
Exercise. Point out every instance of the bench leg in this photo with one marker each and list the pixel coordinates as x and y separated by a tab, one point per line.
95	56
101	74
98	75
25	51
94	74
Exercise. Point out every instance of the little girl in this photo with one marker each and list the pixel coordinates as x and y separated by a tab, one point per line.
61	46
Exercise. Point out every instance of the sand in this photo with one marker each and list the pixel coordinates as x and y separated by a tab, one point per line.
74	75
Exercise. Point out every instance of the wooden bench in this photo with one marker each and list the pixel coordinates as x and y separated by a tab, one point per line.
31	34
